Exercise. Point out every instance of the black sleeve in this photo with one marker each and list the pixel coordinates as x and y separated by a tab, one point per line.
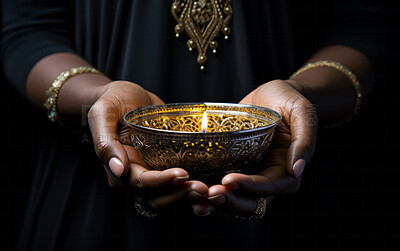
362	25
31	30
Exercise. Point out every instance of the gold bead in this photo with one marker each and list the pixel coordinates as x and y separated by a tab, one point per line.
213	44
202	59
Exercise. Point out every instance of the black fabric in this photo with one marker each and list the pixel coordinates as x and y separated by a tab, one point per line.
71	206
134	40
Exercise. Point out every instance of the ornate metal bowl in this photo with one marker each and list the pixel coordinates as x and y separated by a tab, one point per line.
236	138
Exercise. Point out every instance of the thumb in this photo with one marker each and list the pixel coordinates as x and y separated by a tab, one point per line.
303	123
103	122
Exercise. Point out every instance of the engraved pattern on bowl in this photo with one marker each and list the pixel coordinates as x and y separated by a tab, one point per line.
170	135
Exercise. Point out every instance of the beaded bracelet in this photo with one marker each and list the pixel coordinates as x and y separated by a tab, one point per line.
338	66
52	92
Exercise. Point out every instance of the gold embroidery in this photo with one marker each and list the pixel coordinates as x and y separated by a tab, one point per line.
202	21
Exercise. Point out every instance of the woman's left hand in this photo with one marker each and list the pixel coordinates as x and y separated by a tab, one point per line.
292	147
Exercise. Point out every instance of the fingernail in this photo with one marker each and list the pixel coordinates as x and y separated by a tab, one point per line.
203	215
217	199
298	167
193	195
233	186
180	180
116	166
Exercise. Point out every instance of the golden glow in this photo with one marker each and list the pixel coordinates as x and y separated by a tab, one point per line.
204	122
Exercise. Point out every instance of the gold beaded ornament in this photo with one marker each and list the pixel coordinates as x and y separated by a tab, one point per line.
202	21
52	92
338	66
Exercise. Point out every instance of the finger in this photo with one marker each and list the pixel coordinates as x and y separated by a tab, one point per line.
198	190
134	156
273	180
239	204
253	185
198	195
103	122
113	181
193	190
216	194
168	199
144	178
303	128
203	208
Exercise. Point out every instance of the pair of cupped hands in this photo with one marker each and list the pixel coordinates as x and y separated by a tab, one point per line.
292	147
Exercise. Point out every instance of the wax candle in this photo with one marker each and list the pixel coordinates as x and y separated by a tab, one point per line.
204	122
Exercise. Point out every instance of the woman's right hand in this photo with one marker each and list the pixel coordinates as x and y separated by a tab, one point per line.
123	164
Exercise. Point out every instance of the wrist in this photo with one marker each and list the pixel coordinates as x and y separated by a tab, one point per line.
331	87
300	86
81	92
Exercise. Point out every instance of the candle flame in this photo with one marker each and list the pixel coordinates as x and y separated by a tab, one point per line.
204	122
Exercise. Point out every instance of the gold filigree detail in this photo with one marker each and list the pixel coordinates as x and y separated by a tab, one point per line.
172	135
202	21
192	123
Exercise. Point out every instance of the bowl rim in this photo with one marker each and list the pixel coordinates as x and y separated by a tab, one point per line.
176	133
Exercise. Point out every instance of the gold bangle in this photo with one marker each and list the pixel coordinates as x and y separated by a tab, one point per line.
52	92
338	66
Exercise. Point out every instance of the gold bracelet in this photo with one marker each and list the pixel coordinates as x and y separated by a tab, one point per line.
52	92
338	66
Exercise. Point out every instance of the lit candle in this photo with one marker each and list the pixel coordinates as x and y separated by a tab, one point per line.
204	122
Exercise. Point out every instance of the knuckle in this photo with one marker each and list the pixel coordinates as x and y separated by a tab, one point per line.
136	180
101	147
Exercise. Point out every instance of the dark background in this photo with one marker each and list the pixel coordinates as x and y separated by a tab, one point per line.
350	191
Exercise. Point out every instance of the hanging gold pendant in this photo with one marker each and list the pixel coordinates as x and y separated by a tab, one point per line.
202	21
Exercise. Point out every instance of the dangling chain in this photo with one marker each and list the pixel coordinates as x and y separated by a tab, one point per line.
202	21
